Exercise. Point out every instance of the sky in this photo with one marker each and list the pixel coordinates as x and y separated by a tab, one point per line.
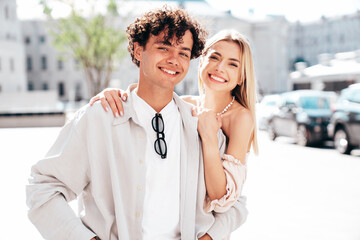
300	10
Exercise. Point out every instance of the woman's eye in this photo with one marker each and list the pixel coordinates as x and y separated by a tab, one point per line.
213	57
233	65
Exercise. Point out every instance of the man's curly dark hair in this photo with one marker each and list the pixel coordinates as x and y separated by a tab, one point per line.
175	21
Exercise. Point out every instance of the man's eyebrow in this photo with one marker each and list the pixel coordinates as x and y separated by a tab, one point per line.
167	43
231	59
186	49
162	42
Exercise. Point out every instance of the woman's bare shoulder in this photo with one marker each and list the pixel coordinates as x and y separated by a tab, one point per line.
194	100
243	118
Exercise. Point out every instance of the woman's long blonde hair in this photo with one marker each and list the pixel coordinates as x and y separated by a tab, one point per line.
245	93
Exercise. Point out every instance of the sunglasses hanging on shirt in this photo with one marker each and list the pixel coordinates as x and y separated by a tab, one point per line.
159	144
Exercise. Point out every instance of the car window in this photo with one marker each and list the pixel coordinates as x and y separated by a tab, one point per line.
354	96
270	103
314	102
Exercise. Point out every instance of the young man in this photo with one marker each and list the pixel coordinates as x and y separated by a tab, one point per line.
139	176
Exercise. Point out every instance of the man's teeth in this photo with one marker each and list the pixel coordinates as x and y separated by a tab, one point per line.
168	71
217	78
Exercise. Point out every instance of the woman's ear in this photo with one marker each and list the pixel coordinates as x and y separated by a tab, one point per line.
242	79
138	51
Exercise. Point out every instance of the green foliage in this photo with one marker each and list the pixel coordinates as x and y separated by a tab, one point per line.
93	41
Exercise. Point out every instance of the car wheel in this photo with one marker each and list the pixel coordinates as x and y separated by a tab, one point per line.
271	131
341	141
302	136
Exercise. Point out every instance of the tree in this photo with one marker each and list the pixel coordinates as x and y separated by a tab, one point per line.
93	41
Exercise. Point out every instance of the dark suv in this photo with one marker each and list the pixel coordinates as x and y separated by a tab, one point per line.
302	115
344	125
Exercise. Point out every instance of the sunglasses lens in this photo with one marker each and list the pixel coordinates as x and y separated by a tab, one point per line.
160	146
158	124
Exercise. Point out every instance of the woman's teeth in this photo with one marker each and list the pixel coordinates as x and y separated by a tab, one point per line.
217	78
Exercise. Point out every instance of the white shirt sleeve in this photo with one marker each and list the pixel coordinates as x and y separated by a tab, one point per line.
56	179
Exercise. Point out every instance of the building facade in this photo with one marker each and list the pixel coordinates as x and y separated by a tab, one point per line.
47	69
277	45
12	68
327	35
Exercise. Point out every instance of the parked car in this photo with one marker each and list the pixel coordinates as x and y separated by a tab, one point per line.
344	125
302	115
267	106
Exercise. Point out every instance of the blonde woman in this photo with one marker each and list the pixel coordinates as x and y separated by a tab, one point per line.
227	101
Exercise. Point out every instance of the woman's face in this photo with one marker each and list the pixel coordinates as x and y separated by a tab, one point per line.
220	67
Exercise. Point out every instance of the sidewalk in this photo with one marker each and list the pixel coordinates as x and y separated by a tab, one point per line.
293	193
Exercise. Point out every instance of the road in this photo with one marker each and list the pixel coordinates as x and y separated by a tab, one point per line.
293	192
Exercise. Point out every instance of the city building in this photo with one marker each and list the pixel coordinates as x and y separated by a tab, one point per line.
47	69
327	35
12	54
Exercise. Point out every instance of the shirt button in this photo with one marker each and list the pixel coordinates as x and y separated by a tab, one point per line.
139	188
141	161
137	214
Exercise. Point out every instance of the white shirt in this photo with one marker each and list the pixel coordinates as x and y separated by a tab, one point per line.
161	215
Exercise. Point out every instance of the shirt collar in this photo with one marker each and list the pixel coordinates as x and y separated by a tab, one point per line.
184	109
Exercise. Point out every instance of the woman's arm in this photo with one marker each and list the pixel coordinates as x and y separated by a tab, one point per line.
224	175
208	126
239	129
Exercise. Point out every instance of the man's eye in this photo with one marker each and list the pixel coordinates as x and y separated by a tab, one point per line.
184	54
162	48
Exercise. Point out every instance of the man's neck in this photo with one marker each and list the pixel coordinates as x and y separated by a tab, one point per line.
157	98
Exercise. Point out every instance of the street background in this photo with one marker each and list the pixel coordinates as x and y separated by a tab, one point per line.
294	192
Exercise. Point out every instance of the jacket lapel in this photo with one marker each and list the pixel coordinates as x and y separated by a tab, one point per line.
189	169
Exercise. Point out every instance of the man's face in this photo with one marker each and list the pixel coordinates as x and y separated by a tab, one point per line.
164	64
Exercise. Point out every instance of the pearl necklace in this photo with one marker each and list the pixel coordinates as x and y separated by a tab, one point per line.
226	108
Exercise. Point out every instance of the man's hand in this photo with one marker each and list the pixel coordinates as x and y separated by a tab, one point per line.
205	237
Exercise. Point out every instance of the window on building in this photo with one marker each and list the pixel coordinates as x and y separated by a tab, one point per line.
12	66
30	86
6	12
61	89
27	40
78	91
42	39
60	64
43	63
29	63
45	86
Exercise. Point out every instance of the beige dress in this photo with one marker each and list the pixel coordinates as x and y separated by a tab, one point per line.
235	173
